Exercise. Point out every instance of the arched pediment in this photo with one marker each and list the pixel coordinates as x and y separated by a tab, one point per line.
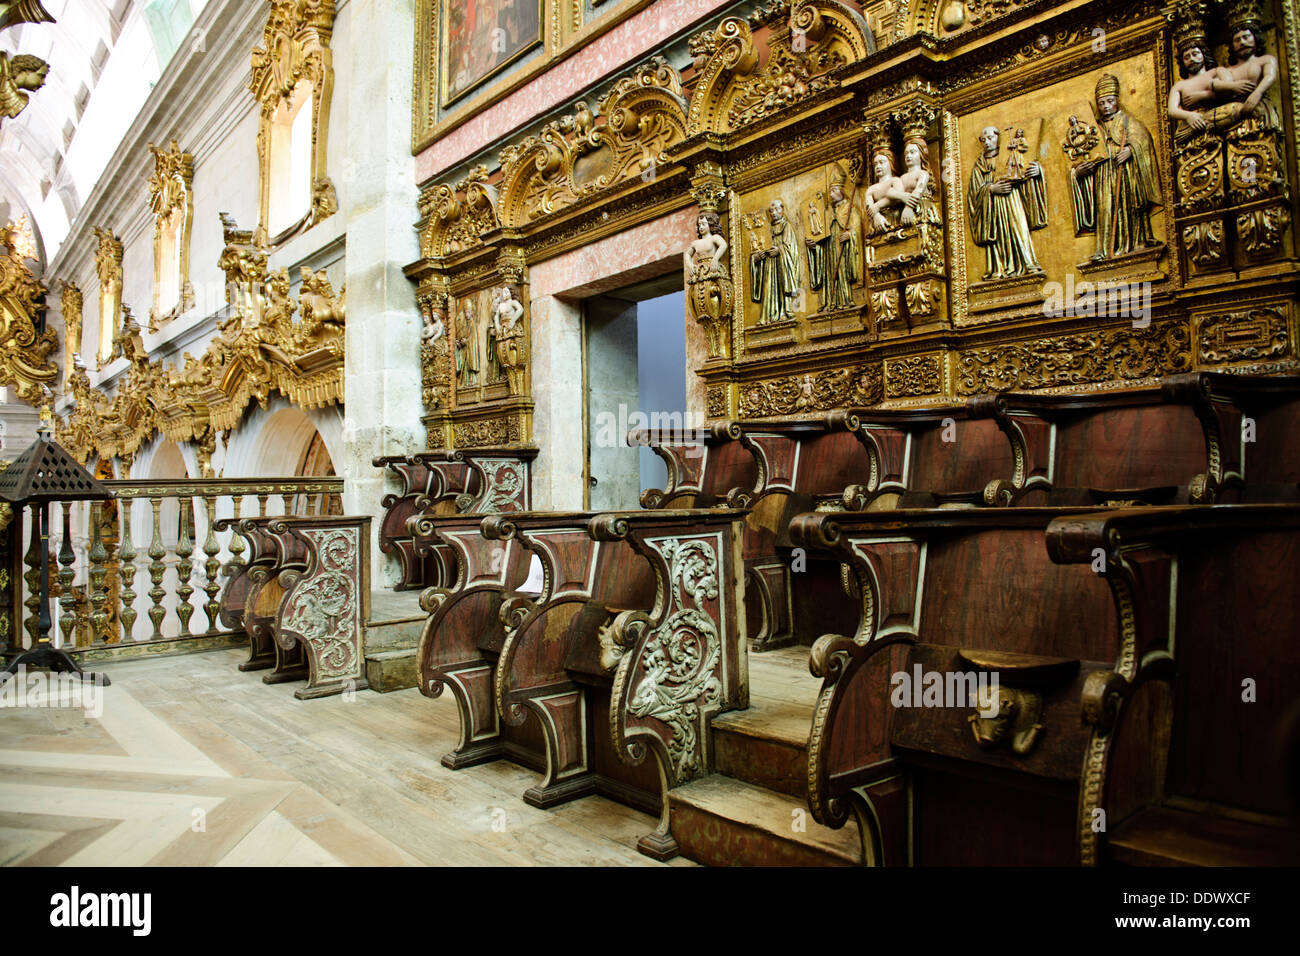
737	85
589	151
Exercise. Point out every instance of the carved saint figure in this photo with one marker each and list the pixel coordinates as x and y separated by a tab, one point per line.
1016	149
508	332
815	224
774	272
1004	211
703	258
1123	186
835	259
883	192
708	284
467	345
916	186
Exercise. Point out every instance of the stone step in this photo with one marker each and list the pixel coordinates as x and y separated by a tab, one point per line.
392	670
721	821
395	620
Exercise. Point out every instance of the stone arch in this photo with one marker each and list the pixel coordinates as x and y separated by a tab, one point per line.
274	442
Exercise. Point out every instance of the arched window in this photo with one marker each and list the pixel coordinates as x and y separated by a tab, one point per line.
291	160
293	76
108	266
172	201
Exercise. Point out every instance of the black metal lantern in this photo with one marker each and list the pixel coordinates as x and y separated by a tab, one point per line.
42	474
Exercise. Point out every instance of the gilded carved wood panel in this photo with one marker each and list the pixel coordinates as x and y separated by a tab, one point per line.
1032	198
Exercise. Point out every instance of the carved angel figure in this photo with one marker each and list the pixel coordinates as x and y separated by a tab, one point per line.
20	73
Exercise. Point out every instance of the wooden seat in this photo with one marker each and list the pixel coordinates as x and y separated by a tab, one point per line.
634	644
1192	746
937	591
463	636
447	482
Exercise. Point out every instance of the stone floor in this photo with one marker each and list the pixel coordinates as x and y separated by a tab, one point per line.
193	763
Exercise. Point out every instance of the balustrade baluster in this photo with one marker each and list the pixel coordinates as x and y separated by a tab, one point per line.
212	567
67	600
33	578
261	504
127	555
185	566
156	570
236	546
98	571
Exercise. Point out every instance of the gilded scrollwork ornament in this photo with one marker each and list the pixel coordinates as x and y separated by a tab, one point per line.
25	346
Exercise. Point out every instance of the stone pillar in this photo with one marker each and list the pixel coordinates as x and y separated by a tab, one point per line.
378	196
557	412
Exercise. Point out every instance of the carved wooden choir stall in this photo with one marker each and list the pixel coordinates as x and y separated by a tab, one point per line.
997	349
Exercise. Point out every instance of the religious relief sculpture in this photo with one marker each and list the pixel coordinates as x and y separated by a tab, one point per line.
835	258
883	200
467	345
906	260
434	349
1006	205
708	283
1115	194
775	279
917	191
508	334
1228	139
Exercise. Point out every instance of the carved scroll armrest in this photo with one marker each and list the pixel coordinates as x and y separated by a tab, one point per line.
1221	424
836	725
884	568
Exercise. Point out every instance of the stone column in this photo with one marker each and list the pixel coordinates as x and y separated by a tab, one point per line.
378	195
